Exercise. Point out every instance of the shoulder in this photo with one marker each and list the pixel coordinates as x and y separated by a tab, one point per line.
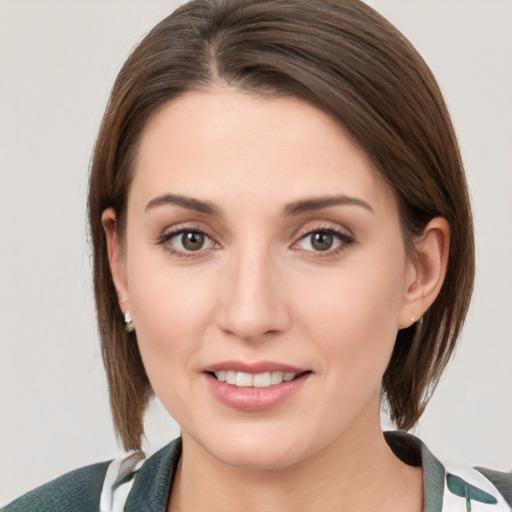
452	488
140	484
502	482
481	484
78	490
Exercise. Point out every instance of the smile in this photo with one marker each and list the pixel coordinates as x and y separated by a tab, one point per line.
255	380
254	387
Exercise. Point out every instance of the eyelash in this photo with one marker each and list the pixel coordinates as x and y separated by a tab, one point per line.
344	239
166	237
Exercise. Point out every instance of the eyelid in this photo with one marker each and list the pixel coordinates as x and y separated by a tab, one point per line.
314	227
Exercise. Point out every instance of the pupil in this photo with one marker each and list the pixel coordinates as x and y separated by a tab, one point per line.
322	241
192	240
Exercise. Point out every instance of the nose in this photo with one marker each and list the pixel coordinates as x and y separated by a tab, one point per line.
251	300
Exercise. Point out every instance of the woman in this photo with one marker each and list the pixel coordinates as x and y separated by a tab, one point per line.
282	237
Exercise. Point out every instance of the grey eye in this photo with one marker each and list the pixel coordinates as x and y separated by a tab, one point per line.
324	240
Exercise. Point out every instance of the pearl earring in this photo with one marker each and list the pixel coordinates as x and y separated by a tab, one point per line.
128	322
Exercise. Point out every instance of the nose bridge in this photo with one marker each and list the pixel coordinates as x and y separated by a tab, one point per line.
252	303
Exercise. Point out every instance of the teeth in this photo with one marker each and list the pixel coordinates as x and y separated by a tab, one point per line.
243	380
276	378
258	380
262	380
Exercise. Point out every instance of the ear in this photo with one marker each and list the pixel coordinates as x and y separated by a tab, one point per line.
115	257
426	272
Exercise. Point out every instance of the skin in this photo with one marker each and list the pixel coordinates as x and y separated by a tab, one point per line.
259	289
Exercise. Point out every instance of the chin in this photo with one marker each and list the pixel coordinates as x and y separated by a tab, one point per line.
255	448
257	457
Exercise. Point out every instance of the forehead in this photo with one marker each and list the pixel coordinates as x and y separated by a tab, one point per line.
224	141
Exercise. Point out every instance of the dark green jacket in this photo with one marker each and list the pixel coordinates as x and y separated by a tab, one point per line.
80	490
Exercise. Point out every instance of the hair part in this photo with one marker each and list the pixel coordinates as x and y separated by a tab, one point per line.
344	58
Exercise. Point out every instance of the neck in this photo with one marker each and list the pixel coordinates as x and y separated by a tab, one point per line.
356	472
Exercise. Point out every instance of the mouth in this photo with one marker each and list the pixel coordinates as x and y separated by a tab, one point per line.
255	380
254	387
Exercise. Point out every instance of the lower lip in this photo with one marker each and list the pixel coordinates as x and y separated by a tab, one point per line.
252	399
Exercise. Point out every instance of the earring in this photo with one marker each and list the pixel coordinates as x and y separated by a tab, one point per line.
413	319
128	322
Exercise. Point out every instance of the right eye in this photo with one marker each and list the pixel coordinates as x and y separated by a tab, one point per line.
185	242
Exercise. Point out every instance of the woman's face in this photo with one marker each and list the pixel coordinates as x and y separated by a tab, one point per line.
260	241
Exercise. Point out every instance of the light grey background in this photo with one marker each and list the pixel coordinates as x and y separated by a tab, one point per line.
58	59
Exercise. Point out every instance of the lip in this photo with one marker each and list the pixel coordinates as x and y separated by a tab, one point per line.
250	399
256	367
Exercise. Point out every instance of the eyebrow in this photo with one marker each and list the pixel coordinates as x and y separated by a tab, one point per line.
185	202
291	209
317	203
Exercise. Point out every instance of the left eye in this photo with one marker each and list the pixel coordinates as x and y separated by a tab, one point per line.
190	241
321	241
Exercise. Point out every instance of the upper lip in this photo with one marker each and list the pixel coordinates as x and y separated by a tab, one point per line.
254	367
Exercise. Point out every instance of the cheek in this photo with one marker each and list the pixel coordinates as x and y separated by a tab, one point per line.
171	307
171	311
352	313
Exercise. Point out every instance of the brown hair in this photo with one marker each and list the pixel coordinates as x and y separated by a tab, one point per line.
344	58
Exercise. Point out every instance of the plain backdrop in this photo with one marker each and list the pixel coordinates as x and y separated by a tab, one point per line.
58	59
